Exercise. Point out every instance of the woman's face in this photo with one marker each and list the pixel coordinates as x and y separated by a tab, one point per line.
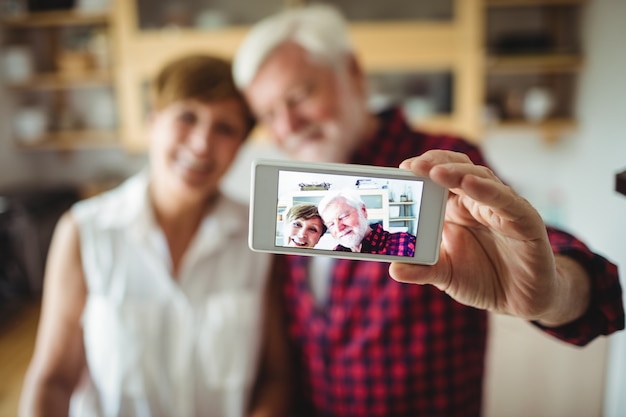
304	233
192	145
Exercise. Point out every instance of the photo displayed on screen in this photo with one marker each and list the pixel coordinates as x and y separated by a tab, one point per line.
348	213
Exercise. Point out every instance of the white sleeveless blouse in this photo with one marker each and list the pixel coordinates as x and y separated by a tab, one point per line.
156	346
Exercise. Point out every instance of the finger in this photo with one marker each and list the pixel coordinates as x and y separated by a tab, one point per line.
422	164
475	181
419	274
455	171
500	200
451	175
497	201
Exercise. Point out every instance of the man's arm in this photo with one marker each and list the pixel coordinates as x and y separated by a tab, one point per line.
496	253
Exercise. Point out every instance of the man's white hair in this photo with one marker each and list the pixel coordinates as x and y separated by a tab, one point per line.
318	28
351	197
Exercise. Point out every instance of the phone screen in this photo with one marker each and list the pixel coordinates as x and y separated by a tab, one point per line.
348	213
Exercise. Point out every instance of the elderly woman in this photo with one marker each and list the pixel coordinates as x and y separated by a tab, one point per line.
303	226
153	304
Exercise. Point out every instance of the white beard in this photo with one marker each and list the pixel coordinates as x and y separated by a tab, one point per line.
358	233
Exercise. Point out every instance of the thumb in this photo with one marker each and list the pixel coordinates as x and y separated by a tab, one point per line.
421	274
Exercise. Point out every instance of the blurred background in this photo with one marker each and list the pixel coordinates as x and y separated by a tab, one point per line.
538	84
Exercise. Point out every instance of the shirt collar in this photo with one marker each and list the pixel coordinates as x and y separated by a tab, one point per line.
227	217
374	242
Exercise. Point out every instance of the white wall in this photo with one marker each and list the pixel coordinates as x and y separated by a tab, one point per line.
572	182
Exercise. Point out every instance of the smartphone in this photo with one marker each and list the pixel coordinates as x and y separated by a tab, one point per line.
345	211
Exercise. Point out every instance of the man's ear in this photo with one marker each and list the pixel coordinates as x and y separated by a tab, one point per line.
364	209
355	71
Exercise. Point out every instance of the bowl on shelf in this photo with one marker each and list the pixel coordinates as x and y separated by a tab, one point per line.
74	62
30	124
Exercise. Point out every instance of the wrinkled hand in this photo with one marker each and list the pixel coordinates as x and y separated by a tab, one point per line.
495	253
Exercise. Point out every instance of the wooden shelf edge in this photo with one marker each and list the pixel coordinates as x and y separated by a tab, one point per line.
56	18
551	130
532	3
73	140
53	81
548	123
505	64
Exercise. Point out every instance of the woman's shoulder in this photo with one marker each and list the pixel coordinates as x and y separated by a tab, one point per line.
113	206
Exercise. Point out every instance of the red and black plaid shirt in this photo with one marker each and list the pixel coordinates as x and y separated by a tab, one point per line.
385	243
382	348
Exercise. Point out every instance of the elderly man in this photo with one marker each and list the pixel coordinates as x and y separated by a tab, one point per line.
367	345
345	215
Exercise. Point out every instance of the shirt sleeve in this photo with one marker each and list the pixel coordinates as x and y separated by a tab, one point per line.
605	314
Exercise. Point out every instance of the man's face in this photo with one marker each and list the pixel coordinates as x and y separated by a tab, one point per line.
347	224
314	112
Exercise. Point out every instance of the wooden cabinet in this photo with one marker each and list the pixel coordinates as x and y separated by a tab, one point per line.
447	45
57	71
534	56
450	63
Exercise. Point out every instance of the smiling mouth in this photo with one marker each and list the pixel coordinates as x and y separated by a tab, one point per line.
195	165
297	243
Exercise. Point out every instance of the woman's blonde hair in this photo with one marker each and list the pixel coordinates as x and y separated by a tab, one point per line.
199	77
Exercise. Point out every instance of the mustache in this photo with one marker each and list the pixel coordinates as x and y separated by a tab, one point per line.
295	139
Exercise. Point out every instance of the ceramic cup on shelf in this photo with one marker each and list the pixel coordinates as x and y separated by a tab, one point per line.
538	104
17	63
212	19
418	108
102	110
30	123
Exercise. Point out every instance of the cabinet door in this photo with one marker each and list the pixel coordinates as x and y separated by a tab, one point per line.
535	55
57	70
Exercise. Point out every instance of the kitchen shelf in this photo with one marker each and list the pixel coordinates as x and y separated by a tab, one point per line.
532	44
383	46
73	139
70	55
